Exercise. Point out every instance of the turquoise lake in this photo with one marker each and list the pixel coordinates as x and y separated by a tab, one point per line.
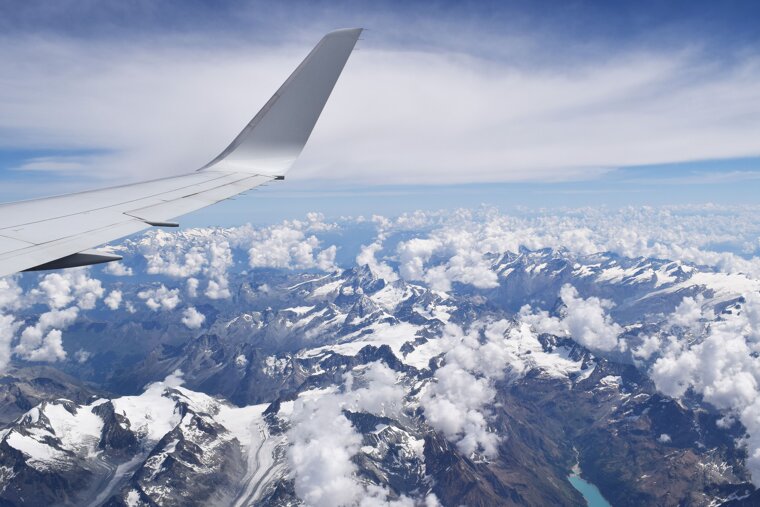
590	492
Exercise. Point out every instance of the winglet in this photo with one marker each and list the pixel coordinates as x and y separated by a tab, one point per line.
274	138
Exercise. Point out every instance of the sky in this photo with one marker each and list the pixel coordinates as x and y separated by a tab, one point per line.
444	104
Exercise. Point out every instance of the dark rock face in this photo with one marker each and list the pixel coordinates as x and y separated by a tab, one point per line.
115	435
460	481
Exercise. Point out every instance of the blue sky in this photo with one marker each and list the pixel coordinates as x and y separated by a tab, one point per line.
446	104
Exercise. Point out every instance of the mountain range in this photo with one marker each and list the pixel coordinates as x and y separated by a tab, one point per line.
313	388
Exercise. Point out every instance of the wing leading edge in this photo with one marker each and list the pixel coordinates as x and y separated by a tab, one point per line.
57	232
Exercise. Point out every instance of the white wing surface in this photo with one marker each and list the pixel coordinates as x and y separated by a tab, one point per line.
57	232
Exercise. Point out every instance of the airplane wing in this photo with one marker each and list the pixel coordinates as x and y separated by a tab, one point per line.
57	232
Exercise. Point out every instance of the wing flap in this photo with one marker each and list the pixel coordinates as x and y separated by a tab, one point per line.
172	209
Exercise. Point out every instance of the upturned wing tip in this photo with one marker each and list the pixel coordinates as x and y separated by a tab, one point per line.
345	32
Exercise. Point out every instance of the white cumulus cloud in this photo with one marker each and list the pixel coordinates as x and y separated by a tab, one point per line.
192	318
113	299
118	269
584	320
160	298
